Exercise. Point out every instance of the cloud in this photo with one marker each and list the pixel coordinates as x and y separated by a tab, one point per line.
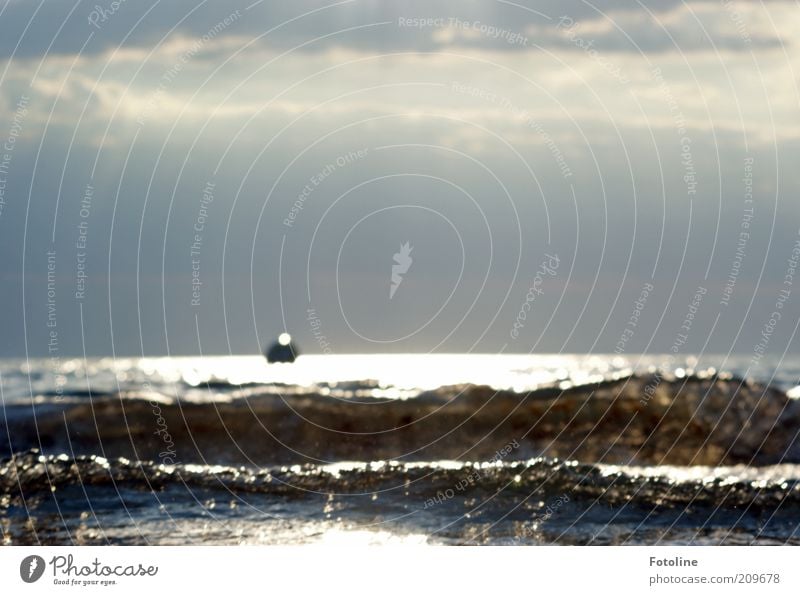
34	29
683	29
231	79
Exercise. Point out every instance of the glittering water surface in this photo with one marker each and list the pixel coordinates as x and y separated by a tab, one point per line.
394	449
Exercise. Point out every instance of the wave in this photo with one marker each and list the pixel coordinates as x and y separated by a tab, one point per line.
711	419
426	484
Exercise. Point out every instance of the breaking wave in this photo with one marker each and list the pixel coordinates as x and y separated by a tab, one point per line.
643	419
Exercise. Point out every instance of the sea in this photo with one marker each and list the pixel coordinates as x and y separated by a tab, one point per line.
394	449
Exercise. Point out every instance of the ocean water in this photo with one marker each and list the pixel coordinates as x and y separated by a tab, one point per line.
406	449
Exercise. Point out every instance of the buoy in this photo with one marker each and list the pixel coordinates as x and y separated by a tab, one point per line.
283	350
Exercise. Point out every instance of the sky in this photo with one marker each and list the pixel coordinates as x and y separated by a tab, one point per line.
191	178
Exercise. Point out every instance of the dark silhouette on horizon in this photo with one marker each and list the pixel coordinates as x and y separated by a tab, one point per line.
283	350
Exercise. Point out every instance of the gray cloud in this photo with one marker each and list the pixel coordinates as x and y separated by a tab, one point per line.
29	29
